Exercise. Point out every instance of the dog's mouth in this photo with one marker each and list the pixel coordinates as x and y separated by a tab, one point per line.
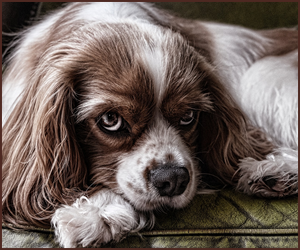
165	185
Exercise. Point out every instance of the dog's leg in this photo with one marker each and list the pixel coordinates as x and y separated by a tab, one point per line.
100	219
276	176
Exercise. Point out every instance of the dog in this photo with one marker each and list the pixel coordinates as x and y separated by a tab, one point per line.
114	110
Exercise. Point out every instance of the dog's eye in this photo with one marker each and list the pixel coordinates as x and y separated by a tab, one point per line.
111	121
187	119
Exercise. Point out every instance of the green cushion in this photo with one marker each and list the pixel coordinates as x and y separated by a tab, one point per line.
225	219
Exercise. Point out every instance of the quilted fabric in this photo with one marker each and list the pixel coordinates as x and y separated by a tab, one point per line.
225	219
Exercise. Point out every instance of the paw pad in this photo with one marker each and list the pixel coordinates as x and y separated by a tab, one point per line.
269	181
270	186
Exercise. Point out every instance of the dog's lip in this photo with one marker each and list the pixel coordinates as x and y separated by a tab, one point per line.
179	201
148	204
151	200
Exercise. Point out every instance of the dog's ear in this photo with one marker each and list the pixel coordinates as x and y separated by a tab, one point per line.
41	159
225	136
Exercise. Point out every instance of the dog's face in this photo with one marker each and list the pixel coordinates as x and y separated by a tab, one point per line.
138	100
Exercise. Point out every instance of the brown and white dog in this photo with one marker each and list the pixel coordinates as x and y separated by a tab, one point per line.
113	110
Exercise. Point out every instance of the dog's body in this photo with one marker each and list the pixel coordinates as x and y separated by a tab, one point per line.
132	107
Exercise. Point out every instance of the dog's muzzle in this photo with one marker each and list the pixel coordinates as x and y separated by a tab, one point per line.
169	180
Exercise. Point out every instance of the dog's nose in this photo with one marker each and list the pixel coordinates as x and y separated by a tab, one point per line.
169	180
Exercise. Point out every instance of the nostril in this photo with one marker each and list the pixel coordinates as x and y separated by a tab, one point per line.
162	185
169	180
182	186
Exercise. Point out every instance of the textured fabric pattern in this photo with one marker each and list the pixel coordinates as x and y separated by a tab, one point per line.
225	219
228	209
213	241
28	239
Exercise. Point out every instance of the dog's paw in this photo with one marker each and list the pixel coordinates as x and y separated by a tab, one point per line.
277	176
96	221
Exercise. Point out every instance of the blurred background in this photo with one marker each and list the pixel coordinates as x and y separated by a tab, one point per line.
257	15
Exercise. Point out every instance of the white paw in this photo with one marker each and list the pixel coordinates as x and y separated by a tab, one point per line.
96	221
277	176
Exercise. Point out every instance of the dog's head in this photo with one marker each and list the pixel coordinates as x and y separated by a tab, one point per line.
139	94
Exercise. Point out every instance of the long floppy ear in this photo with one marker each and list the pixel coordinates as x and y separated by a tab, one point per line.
225	137
42	162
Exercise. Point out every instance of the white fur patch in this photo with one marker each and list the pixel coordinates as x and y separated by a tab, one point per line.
156	67
269	96
155	60
10	94
112	12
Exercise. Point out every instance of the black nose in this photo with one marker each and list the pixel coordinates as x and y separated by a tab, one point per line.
169	180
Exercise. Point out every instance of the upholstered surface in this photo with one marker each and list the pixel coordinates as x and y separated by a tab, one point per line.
224	219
